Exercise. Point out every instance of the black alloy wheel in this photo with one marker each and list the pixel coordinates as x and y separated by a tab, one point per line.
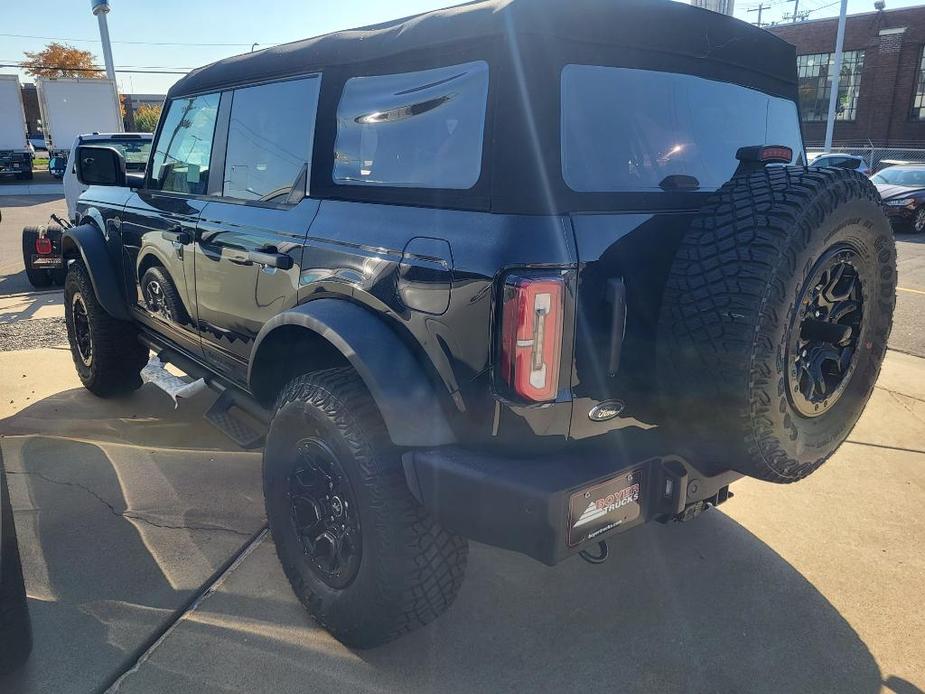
823	337
324	514
82	334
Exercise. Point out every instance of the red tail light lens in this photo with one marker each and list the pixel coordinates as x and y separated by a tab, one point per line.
42	245
531	336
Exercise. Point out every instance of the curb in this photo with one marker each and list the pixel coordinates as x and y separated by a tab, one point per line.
33	189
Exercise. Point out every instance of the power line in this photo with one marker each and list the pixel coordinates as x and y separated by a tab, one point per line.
133	43
92	69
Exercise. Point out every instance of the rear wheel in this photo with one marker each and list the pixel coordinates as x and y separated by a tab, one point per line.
366	560
106	351
775	319
38	278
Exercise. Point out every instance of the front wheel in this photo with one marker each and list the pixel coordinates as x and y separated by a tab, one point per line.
365	559
106	351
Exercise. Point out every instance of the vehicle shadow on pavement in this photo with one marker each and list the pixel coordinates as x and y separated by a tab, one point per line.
122	518
127	507
688	608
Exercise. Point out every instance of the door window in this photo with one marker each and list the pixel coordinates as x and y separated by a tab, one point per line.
181	155
270	139
416	129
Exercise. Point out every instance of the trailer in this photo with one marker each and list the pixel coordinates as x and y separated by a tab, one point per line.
15	150
75	106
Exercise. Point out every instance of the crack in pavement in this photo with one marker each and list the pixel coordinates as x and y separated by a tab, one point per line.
127	514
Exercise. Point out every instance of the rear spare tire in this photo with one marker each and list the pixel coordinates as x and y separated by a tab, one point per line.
38	277
775	319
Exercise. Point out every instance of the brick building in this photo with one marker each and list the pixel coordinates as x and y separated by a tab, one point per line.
882	87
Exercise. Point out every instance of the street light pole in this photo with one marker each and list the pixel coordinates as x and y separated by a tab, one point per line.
833	96
101	8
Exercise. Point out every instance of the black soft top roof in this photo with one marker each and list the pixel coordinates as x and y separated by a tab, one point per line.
689	33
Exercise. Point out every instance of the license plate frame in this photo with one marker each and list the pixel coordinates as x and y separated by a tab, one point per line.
605	505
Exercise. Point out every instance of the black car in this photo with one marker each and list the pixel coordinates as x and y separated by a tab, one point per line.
903	191
525	272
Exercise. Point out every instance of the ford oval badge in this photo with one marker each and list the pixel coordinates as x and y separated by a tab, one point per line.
605	410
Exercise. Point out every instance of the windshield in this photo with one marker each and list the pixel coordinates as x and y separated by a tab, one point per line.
897	176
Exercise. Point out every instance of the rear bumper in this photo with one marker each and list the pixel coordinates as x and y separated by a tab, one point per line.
528	506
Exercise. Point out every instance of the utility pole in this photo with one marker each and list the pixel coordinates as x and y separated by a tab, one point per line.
796	6
100	8
836	76
761	8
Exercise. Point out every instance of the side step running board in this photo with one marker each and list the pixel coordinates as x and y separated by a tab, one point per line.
246	426
234	427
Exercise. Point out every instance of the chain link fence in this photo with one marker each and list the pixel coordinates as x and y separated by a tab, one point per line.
875	157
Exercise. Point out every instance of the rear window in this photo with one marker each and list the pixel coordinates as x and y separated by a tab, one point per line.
419	129
641	130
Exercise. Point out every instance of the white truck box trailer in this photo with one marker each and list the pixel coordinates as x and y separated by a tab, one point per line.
75	106
15	150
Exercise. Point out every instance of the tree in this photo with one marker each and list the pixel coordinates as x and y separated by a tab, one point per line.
146	117
61	60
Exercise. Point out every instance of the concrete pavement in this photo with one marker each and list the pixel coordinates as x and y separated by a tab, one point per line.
129	511
125	509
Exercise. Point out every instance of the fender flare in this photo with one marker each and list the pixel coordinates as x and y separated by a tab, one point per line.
89	242
401	389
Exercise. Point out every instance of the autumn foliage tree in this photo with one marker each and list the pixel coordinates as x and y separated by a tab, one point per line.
146	117
61	60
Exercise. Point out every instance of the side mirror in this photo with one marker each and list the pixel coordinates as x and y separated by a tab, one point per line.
100	166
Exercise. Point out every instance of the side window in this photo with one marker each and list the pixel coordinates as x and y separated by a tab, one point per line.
270	140
181	156
416	129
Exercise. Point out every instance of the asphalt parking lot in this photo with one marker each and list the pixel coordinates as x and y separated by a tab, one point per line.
149	570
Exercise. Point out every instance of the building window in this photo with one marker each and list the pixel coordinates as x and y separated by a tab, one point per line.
918	103
816	84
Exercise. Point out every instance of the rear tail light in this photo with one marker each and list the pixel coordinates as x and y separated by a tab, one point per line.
531	336
43	245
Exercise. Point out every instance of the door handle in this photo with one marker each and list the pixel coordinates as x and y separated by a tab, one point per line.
282	261
177	235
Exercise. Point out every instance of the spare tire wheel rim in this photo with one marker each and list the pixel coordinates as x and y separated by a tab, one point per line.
82	336
823	337
324	514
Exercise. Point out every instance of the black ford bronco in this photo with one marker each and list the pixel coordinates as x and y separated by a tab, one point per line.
527	272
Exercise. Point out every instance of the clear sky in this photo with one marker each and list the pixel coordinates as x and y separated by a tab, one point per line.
195	26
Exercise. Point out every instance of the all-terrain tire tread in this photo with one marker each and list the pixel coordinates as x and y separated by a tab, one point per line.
718	294
430	563
118	356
